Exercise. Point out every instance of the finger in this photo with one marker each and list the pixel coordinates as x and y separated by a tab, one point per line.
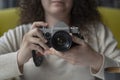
57	53
39	42
46	52
39	24
77	40
37	48
62	55
54	52
38	34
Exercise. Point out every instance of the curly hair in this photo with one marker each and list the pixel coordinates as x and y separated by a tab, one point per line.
84	12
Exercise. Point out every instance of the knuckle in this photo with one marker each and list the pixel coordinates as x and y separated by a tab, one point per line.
25	38
33	25
36	46
36	30
30	33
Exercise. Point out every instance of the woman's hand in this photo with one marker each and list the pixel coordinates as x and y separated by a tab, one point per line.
82	54
33	40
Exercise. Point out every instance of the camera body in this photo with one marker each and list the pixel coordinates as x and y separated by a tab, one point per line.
59	36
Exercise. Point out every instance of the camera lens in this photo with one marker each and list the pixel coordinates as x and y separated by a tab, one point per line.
61	41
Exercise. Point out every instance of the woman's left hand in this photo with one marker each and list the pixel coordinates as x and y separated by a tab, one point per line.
82	54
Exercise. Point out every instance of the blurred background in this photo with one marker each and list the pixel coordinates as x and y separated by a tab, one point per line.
8	3
107	3
108	9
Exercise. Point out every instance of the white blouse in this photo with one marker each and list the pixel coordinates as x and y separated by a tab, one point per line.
54	67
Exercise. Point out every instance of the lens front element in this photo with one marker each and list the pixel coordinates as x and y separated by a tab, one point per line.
61	41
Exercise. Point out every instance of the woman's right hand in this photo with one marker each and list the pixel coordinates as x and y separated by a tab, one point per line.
33	40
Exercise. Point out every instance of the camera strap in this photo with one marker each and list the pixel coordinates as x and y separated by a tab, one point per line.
37	59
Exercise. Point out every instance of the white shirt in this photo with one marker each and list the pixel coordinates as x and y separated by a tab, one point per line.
53	67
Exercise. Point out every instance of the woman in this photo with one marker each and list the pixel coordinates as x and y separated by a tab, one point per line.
85	61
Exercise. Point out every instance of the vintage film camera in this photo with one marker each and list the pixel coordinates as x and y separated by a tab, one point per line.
59	36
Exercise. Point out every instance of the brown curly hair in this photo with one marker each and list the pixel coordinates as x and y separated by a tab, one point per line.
84	12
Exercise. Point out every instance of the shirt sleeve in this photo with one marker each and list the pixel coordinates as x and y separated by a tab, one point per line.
9	45
108	49
8	66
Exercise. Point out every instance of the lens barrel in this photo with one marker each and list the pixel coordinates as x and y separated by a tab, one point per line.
61	41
